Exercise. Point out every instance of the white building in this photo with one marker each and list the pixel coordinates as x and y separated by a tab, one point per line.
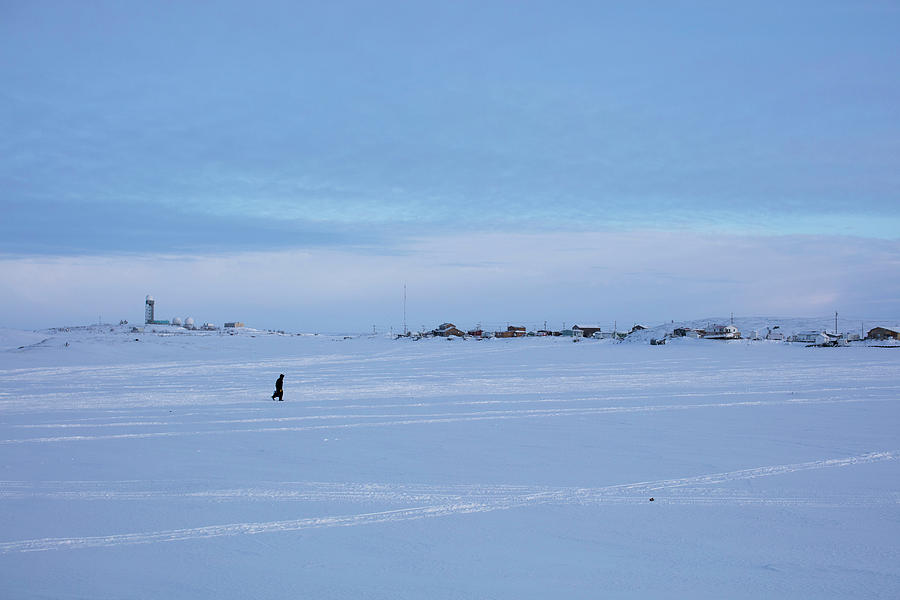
604	335
805	337
722	332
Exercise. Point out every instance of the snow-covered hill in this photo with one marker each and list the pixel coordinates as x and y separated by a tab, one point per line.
15	339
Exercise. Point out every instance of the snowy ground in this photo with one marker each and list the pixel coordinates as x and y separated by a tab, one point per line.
160	468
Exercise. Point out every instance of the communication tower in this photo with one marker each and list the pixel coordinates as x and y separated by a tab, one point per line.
148	309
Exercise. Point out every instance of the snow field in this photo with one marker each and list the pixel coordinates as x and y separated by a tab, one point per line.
497	469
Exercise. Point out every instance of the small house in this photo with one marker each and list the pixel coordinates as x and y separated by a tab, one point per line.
574	333
604	335
805	337
882	333
448	329
830	339
587	330
775	334
722	332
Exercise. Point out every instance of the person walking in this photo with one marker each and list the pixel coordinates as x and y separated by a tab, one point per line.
279	388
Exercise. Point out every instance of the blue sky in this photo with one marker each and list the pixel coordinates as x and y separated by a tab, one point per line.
185	133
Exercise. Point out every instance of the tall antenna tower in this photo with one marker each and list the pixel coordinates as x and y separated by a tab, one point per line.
405	330
148	309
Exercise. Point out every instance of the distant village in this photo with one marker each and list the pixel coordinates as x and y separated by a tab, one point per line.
515	331
710	332
593	332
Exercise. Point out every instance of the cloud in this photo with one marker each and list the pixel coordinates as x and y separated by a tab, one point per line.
123	134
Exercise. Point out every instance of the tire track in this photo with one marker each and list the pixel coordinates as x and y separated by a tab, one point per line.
503	500
233	529
154	420
411	419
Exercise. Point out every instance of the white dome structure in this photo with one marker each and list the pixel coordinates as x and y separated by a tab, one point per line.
189	323
177	321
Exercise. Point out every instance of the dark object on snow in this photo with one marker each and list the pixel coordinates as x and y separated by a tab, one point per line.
651	499
279	391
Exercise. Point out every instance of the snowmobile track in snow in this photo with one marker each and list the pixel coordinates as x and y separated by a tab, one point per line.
425	419
452	500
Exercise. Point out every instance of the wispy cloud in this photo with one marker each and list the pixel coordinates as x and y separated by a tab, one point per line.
405	116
